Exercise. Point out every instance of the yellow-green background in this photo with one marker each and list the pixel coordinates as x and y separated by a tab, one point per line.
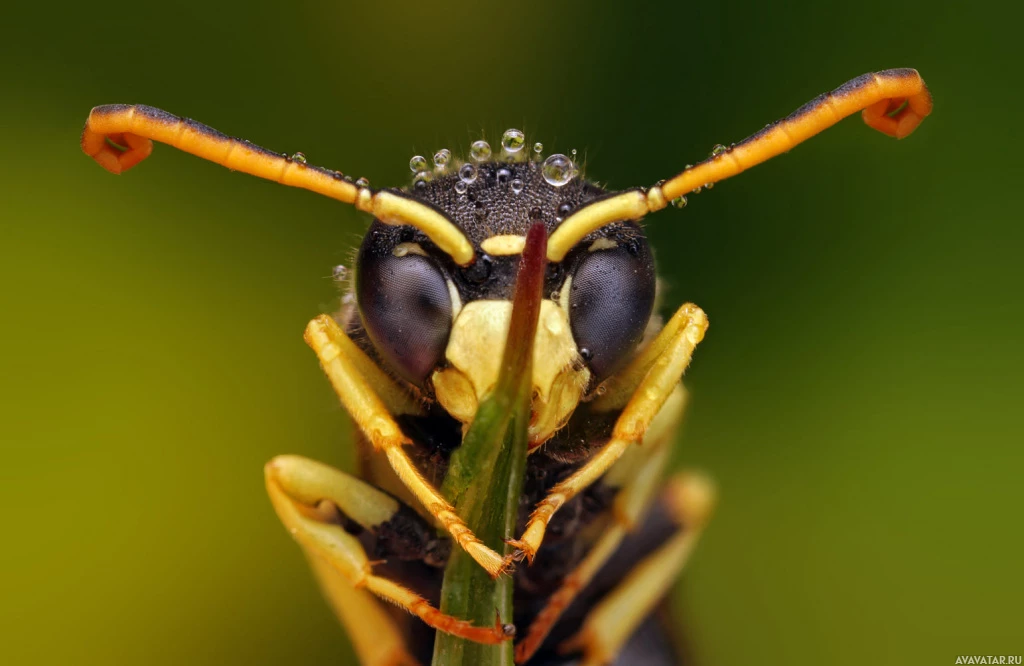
858	395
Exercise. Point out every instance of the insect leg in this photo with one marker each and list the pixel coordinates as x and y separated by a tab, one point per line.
651	392
342	360
689	498
307	497
639	480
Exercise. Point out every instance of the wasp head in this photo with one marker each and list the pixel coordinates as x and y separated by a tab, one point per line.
441	325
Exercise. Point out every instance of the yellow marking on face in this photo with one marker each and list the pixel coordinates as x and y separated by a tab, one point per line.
602	244
563	293
456	299
474	363
504	245
403	249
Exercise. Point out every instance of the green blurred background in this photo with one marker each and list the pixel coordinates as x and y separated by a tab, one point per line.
857	397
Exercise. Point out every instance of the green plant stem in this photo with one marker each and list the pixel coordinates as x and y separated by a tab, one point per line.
485	477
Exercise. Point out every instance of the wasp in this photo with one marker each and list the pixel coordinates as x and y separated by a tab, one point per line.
437	303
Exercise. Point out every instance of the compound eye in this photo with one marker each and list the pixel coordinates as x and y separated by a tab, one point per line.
406	309
611	299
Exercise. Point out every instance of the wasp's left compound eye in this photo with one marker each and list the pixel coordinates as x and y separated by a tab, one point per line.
406	309
611	299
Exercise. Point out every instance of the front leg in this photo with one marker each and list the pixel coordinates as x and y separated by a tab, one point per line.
656	373
312	499
349	370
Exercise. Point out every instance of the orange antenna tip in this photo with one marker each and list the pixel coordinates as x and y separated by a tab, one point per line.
894	102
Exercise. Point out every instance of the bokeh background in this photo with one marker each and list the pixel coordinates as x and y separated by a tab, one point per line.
858	396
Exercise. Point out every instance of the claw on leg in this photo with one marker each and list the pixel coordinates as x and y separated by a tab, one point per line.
653	390
298	489
638	475
345	365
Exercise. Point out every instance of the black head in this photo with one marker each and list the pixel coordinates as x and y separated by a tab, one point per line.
410	292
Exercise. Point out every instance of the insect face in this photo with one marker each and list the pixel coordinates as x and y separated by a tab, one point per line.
441	326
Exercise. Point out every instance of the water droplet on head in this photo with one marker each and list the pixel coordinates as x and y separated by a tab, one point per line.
573	153
363	182
299	157
558	170
503	175
679	202
564	209
441	159
586	354
461	187
421	179
417	163
340	273
718	149
538	148
513	140
467	172
516	185
480	151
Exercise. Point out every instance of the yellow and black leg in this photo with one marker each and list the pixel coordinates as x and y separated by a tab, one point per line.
354	377
313	500
638	475
688	499
648	380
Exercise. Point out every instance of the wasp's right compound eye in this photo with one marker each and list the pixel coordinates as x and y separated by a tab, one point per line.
406	309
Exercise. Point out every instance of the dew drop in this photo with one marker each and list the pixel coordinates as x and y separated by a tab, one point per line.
538	148
718	149
421	179
363	182
697	190
467	173
516	185
564	209
299	157
480	151
679	202
708	186
461	186
442	158
417	163
558	170
573	153
513	140
503	175
340	273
